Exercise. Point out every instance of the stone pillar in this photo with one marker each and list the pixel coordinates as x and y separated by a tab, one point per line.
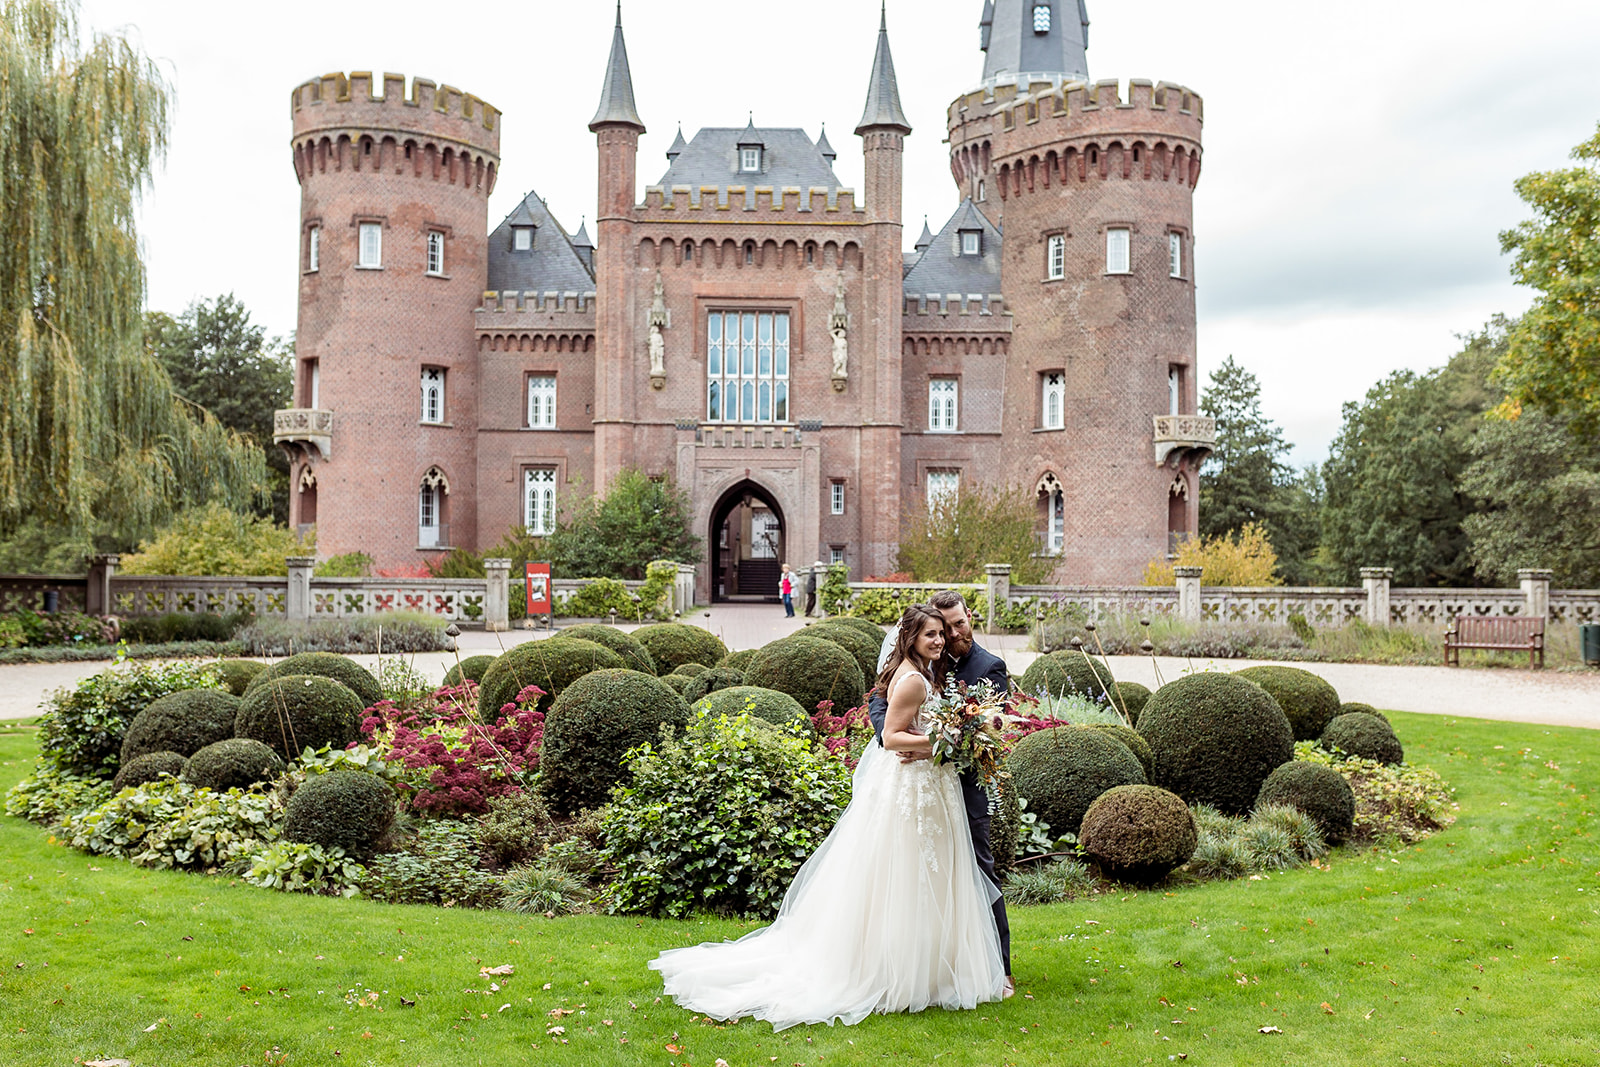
683	591
1188	582
997	586
1536	592
298	602
1376	581
97	598
497	595
819	578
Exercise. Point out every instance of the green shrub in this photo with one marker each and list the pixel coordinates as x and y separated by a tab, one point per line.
672	644
181	650
1305	836
295	712
1302	627
719	818
598	600
149	767
1055	882
711	681
473	667
176	824
439	865
346	565
809	669
49	794
82	728
552	665
854	641
738	661
1309	702
348	672
1220	857
594	722
390	633
1128	736
768	705
211	541
1067	672
1133	697
237	763
1394	803
680	683
1363	736
346	809
865	627
634	656
1060	772
690	670
182	722
1269	846
543	889
237	674
12	634
1076	709
1357	708
298	867
514	830
1316	789
1215	738
183	626
1138	833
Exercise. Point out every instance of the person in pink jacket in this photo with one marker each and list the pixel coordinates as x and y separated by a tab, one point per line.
786	590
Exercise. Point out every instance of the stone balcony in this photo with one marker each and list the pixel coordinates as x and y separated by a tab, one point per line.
1184	434
304	428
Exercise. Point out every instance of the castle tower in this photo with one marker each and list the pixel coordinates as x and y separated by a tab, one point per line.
1094	192
394	195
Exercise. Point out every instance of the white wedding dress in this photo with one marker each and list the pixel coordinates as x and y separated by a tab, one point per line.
890	914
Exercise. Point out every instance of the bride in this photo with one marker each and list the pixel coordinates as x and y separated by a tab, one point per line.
892	912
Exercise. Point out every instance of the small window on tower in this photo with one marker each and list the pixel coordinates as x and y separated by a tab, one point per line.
971	243
435	252
370	252
750	160
1056	258
983	192
1175	254
1118	258
314	248
1041	18
522	238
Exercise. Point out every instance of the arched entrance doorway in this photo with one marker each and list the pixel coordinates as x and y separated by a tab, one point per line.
746	544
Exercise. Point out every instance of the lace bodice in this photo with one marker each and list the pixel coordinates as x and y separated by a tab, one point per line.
920	722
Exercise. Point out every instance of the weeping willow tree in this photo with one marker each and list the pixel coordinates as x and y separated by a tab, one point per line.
90	428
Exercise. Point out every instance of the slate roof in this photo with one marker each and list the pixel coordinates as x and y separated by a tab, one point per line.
1011	45
554	265
788	158
883	91
942	269
616	94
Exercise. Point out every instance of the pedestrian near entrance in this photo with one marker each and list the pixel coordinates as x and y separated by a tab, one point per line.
786	590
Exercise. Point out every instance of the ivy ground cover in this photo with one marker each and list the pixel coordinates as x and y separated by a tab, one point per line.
1477	946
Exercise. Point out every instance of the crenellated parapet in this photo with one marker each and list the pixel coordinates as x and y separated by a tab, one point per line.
359	122
546	322
681	201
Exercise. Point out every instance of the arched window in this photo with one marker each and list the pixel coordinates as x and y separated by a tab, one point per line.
1054	500
432	532
539	492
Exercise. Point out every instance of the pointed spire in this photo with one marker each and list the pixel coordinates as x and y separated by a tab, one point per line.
678	145
582	239
751	136
883	91
616	95
927	236
824	148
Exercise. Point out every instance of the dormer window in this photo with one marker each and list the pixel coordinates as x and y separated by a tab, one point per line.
972	242
522	238
750	160
1041	18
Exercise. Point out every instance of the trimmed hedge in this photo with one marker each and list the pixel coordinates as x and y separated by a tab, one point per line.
635	656
552	665
1215	738
351	810
738	661
292	713
237	763
809	669
1364	736
690	670
866	627
679	682
769	705
473	668
1067	672
183	722
1139	833
1317	790
594	722
1358	708
1134	696
147	768
352	675
708	682
672	644
237	674
1128	736
1309	702
1060	772
853	641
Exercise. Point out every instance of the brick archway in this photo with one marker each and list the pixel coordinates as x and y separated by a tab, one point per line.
746	543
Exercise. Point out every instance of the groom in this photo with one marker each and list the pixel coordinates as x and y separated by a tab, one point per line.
970	663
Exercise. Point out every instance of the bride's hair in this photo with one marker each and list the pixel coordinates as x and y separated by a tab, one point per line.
905	647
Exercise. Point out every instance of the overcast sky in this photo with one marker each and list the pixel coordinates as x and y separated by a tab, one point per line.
1359	156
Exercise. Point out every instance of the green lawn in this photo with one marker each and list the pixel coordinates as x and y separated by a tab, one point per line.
1478	946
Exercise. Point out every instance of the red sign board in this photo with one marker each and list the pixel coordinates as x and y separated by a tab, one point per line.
538	578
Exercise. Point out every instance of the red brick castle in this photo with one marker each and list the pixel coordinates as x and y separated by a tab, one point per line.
751	330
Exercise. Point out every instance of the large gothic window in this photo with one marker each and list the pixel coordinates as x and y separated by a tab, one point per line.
539	496
747	366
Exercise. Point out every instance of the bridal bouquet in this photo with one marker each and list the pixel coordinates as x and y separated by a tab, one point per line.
965	729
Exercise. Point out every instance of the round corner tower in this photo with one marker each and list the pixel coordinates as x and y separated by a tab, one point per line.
394	192
1094	193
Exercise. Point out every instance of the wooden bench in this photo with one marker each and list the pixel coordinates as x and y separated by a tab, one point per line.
1500	635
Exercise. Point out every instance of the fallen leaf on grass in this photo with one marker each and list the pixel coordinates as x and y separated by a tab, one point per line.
493	972
107	1063
1269	1030
555	1031
556	1013
1327	1009
152	1027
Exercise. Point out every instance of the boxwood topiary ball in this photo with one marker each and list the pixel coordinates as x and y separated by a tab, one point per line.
346	671
1138	833
1357	708
237	763
351	810
852	640
552	665
1215	738
1134	697
809	669
1136	744
672	644
183	722
769	705
866	627
635	656
690	670
1067	672
597	719
1317	790
1060	772
738	661
473	667
708	682
147	768
295	712
237	674
679	682
1364	736
1308	701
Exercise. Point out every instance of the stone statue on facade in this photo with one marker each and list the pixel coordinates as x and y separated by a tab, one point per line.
839	327
658	343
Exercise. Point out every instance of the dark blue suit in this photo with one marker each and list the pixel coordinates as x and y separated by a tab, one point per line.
978	665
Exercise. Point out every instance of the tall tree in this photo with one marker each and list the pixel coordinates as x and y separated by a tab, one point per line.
1553	360
638	521
89	424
